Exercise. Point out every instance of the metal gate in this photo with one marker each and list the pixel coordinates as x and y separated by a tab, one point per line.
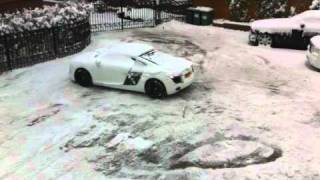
125	14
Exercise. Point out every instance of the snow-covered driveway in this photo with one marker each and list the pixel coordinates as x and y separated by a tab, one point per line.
253	113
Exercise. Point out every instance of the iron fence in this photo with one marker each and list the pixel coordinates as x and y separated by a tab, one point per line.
125	14
31	47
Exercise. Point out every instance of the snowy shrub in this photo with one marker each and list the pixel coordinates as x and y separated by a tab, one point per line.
272	8
239	9
46	17
293	11
315	5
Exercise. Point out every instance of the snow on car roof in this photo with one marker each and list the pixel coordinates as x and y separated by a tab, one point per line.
309	13
316	41
129	49
285	25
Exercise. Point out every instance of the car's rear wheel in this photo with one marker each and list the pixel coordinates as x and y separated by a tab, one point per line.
83	77
155	89
264	39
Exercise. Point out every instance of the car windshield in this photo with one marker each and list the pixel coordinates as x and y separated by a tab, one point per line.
148	55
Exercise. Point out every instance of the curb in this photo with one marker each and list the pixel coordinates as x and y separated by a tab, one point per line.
232	26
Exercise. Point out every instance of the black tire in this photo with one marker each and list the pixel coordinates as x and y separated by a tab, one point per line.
83	77
155	89
265	39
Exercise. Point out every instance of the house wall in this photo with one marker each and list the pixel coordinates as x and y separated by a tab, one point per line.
222	11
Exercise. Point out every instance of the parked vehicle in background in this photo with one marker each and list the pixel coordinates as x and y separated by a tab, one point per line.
294	32
313	54
134	67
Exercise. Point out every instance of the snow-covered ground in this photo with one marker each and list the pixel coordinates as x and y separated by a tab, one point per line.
253	113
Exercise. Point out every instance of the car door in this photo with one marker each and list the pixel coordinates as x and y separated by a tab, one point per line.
113	70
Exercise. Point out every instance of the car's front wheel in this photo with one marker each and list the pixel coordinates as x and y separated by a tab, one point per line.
264	39
83	77
155	89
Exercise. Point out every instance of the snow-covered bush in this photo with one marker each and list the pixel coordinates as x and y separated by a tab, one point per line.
46	17
239	9
272	8
315	5
293	11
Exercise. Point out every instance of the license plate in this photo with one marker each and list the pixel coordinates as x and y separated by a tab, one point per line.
188	74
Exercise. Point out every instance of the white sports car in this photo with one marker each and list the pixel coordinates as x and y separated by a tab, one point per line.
134	67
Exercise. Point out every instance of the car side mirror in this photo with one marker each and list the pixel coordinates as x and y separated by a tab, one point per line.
302	26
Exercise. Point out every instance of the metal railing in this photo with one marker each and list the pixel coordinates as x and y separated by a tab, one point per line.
126	14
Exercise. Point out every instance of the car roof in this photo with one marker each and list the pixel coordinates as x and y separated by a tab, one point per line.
310	13
128	49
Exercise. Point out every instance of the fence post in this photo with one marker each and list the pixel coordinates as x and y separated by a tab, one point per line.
9	63
157	12
54	38
121	9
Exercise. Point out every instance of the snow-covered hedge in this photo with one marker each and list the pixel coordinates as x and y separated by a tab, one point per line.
239	9
315	5
46	17
272	8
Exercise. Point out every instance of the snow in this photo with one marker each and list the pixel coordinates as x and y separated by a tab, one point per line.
277	25
202	8
263	95
223	21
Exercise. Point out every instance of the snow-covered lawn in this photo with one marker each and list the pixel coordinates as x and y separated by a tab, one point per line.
253	113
